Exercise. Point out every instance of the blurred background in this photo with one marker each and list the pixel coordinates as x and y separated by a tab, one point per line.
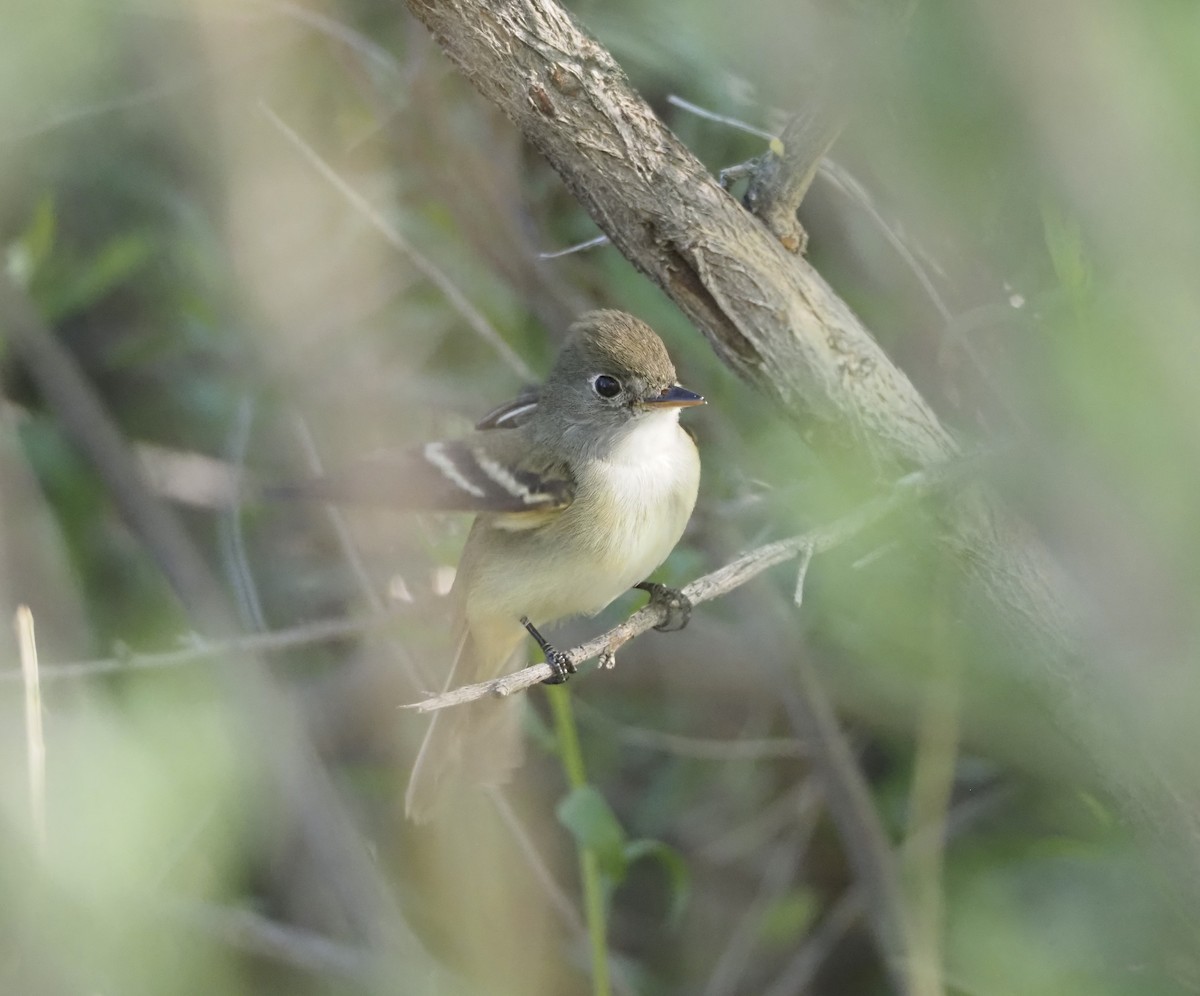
278	237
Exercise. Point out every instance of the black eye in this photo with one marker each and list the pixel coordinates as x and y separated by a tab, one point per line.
606	386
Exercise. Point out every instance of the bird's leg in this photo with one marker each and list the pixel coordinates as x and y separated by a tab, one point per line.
562	665
673	601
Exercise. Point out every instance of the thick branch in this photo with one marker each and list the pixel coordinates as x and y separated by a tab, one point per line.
782	176
767	313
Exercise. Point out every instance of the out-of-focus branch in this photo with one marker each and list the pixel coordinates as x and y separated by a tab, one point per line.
694	748
35	741
848	799
274	736
782	177
929	803
719	582
85	421
433	273
275	641
250	932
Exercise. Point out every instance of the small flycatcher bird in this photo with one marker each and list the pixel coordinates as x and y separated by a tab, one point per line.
581	489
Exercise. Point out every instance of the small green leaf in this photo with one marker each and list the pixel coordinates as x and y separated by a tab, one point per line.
1064	241
38	238
594	826
26	255
119	259
1102	814
675	867
788	919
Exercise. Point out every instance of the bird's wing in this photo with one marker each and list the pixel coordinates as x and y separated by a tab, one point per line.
499	473
512	414
486	473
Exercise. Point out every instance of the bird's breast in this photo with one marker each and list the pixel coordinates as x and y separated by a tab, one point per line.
630	510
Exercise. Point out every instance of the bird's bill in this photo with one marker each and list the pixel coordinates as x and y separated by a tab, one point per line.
674	397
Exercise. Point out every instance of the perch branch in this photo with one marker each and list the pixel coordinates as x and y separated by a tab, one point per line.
704	589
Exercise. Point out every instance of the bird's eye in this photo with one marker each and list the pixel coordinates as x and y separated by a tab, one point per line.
606	386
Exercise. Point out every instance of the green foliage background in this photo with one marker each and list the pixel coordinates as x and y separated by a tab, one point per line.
218	291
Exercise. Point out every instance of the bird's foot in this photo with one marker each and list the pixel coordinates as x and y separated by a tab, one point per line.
674	602
561	664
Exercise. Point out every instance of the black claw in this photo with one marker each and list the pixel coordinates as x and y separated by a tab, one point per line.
562	665
676	604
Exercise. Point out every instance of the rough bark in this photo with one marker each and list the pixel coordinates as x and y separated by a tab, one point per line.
768	314
786	171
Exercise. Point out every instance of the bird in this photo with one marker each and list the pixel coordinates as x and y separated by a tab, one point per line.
580	489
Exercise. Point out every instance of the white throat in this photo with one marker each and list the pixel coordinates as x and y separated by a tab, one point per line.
652	439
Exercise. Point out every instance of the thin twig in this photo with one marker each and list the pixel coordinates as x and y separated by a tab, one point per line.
250	932
87	424
35	742
778	870
806	556
320	631
720	582
231	533
696	748
592	243
728	973
751	836
337	519
536	861
849	908
852	809
841	180
802	969
356	41
456	298
704	112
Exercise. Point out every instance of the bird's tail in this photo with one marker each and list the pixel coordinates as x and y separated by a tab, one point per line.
466	746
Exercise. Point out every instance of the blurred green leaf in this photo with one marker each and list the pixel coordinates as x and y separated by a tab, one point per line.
673	864
119	259
1067	253
788	919
27	253
38	238
594	825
